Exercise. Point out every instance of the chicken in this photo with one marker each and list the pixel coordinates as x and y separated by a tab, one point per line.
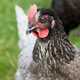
68	11
52	56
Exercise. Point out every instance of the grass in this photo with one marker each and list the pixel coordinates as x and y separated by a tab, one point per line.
8	40
75	37
9	37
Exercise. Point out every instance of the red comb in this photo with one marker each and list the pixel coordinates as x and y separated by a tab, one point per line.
31	13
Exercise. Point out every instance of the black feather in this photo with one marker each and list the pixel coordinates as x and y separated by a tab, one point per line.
69	12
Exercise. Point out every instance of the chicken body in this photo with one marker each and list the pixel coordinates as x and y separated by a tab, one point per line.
54	59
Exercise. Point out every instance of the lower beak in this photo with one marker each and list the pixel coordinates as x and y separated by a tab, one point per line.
31	29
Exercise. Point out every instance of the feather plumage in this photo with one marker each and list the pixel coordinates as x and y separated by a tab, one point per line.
50	58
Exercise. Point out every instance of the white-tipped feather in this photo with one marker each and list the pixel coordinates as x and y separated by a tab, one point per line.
26	43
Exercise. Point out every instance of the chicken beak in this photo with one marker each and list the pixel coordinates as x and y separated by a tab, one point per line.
30	29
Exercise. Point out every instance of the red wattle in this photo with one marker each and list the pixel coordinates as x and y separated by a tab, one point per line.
42	34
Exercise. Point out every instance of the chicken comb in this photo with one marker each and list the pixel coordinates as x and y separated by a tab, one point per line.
32	12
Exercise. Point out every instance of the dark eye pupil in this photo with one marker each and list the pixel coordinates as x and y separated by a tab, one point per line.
43	19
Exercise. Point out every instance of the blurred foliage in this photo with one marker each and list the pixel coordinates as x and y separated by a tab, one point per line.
8	40
9	35
75	37
26	3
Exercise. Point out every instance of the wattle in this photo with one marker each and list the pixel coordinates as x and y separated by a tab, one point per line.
42	34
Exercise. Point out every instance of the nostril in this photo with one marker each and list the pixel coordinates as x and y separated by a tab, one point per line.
38	9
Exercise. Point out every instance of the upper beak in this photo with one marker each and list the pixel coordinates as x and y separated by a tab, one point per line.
31	29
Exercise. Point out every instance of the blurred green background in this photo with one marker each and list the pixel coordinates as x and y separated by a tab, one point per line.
9	36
